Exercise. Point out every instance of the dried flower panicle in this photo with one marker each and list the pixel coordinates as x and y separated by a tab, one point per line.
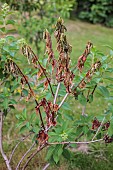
108	139
29	54
64	48
95	67
106	125
59	29
83	57
96	124
42	137
50	110
49	49
12	68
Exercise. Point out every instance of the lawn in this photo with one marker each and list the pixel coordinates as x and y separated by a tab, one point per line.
79	33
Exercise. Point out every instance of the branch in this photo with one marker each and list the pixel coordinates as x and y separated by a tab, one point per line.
56	94
36	59
1	140
94	89
25	155
32	156
79	136
98	129
46	166
32	93
74	68
73	142
46	77
17	146
83	111
65	97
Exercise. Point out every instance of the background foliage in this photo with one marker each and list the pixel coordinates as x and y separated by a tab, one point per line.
96	11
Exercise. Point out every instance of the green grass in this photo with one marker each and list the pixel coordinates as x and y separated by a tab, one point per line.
78	34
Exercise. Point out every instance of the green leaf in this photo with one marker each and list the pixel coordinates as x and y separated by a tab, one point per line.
90	98
68	116
66	106
6	48
5	103
5	112
79	130
56	158
25	92
60	150
107	112
12	53
14	87
2	29
50	152
110	129
48	96
24	114
23	128
109	70
57	153
12	101
66	154
11	31
18	117
85	129
12	22
33	116
19	124
108	78
10	37
28	125
82	99
104	91
1	22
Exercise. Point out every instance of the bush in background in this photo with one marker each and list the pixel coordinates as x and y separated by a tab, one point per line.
96	11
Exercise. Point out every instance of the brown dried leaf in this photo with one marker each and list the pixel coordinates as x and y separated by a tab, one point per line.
42	137
82	84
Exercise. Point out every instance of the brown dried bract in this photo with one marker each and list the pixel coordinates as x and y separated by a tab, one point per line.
95	124
83	57
42	137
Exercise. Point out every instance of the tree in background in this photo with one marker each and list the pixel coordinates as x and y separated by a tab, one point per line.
96	11
36	15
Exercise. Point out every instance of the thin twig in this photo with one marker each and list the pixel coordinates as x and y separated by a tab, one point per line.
81	134
32	156
56	94
83	110
74	68
46	166
73	142
1	140
44	73
63	100
98	129
46	78
32	93
25	155
17	146
94	89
